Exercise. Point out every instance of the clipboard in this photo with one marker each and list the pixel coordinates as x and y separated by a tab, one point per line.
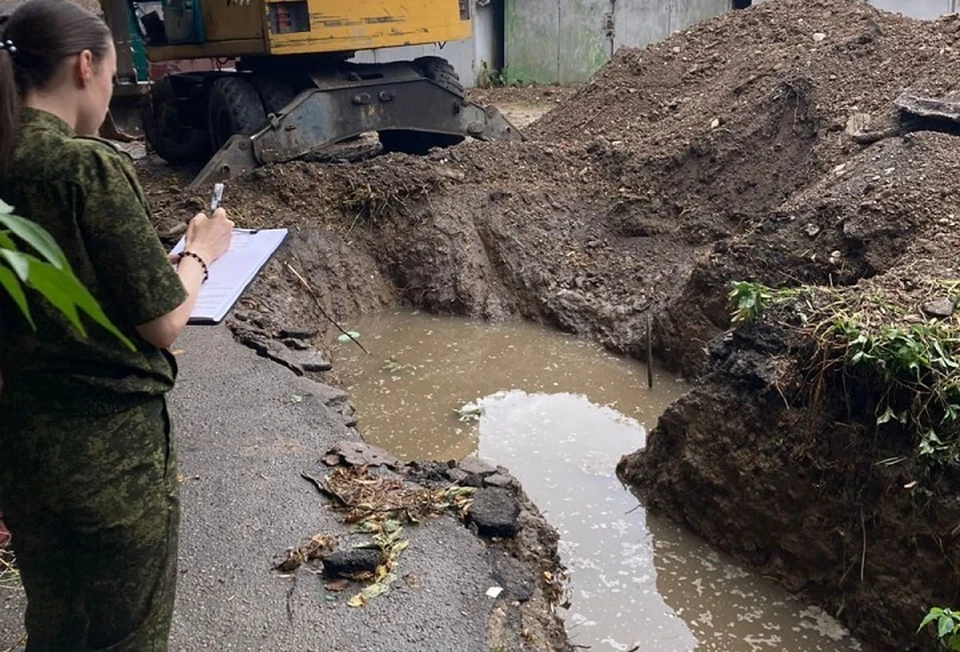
233	272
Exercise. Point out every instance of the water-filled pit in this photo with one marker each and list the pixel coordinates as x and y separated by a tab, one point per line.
558	412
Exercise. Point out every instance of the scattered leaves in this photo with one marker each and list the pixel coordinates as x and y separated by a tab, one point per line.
317	548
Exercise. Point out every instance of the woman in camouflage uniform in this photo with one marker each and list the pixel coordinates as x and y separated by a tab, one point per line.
88	481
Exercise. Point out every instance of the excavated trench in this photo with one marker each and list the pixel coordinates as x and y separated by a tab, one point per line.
734	151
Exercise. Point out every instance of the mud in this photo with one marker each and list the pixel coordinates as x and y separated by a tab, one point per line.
730	151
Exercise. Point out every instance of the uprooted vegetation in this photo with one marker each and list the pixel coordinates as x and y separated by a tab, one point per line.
759	147
901	348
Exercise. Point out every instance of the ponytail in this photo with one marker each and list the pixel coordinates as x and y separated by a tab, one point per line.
40	34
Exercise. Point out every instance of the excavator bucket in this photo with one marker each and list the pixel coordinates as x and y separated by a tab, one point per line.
111	128
410	111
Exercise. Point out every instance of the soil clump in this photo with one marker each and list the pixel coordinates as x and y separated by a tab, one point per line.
732	151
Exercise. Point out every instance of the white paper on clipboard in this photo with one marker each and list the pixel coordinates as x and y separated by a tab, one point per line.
233	272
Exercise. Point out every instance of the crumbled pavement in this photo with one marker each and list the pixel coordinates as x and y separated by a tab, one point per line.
246	427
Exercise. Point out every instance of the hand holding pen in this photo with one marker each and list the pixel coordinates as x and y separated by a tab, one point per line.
217	196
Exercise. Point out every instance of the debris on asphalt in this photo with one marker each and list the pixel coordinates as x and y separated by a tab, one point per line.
358	453
317	548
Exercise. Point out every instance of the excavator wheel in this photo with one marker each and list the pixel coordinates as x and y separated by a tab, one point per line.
168	131
439	71
275	95
233	107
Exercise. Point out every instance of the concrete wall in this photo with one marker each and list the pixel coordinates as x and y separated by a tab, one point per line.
923	9
564	41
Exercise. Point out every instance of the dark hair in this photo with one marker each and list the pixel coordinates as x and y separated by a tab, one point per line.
40	34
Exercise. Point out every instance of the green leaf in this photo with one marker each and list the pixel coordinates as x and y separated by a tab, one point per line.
945	627
18	263
53	278
35	236
10	283
48	281
67	294
6	242
929	618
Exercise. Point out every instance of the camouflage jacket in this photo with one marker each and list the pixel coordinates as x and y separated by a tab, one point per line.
85	193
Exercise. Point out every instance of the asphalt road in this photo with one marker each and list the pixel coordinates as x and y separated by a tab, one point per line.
245	429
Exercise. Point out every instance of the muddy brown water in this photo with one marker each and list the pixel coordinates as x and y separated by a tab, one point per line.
558	412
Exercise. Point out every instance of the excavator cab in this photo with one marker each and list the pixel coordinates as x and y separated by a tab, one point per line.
285	85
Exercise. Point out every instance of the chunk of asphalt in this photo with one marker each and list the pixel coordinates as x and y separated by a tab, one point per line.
298	361
499	479
347	563
494	513
358	453
475	466
298	333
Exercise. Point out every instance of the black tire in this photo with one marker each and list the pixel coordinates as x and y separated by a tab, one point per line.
167	127
274	95
439	70
233	107
415	142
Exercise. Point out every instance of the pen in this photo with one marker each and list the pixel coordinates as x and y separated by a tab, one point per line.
217	196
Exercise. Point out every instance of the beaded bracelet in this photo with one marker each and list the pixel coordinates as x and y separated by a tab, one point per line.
206	273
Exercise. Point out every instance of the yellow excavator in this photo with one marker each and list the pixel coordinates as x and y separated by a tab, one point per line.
287	86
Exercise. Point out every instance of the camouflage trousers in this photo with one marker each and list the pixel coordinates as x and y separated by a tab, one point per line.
92	504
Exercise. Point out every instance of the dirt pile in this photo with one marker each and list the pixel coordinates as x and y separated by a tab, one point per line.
782	454
722	124
729	152
598	220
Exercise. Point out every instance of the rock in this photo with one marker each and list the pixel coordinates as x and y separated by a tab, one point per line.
475	466
858	123
940	308
348	563
499	479
298	333
253	339
457	475
358	453
494	513
295	344
819	36
299	362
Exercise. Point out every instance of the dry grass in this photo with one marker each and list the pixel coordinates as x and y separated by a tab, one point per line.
9	576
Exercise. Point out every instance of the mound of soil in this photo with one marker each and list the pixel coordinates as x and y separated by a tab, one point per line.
730	151
783	463
729	120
